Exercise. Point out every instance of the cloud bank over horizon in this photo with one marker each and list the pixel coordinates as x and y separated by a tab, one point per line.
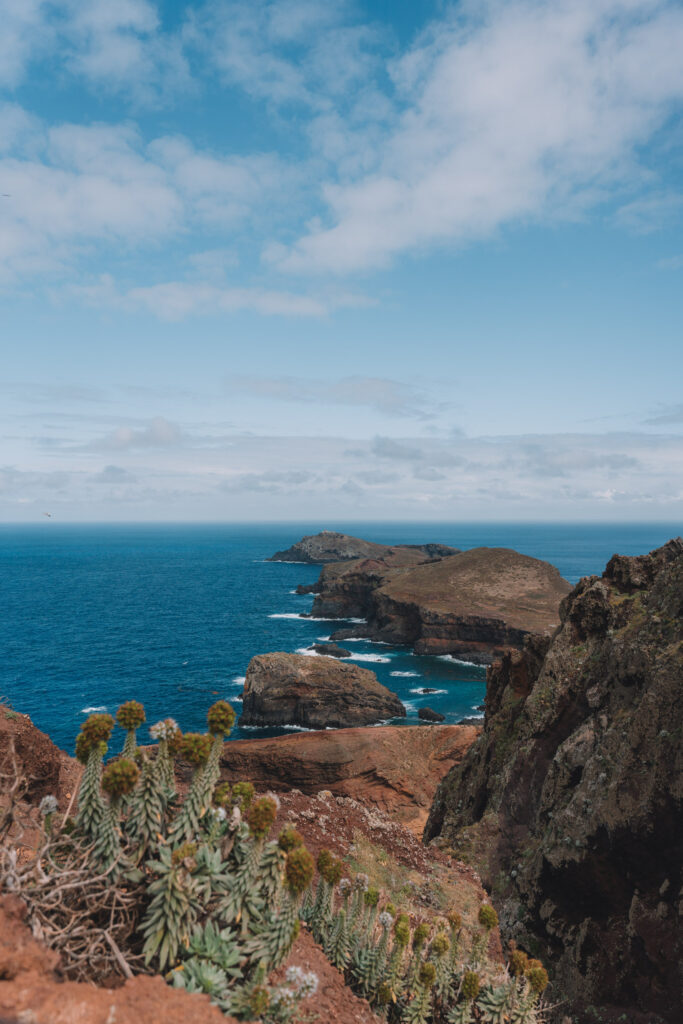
264	256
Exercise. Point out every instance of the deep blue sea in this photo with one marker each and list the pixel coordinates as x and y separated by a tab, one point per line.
170	615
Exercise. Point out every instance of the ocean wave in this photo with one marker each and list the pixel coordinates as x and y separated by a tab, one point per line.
368	657
418	689
91	711
409	705
296	728
405	675
236	700
353	620
241	680
323	639
458	661
309	653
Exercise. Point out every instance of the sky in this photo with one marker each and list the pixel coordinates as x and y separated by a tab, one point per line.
341	259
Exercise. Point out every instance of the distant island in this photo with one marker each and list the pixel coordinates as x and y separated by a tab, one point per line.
473	605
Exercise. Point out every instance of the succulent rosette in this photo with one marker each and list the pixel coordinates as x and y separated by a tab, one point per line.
131	715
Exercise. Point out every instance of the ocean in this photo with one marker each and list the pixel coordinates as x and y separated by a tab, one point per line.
93	615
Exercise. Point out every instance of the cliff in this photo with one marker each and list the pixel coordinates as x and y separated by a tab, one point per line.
475	605
314	692
570	801
393	768
329	546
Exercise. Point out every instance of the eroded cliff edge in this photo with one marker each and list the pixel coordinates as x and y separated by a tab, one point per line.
570	802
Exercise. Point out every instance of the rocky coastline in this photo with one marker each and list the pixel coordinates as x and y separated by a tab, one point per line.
329	546
474	605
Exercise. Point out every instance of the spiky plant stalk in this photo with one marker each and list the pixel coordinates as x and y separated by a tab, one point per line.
260	817
285	927
330	869
130	717
419	938
91	746
168	735
195	748
417	1011
118	780
455	921
438	952
401	939
338	945
146	808
172	912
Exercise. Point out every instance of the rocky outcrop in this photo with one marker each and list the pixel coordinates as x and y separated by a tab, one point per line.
314	692
331	650
329	546
429	715
393	768
474	605
572	799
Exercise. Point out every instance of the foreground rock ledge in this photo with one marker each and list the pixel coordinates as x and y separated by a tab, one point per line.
314	692
394	768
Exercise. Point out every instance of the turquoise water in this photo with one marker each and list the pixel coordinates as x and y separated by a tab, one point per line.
91	616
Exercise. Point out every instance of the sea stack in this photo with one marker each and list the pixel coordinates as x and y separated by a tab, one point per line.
314	693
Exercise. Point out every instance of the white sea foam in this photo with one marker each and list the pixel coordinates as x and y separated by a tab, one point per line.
368	657
405	675
458	661
185	663
296	728
91	711
236	700
286	615
419	689
409	705
241	680
354	620
308	652
323	639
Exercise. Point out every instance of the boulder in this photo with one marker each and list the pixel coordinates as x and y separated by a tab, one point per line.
571	801
314	692
429	715
331	650
329	546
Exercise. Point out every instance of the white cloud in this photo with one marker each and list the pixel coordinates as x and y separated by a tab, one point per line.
159	433
512	111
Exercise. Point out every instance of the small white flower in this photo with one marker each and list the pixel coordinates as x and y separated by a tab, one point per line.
164	730
304	983
48	805
362	882
385	919
344	886
274	797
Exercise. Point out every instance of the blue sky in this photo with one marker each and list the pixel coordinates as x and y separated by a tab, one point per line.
266	259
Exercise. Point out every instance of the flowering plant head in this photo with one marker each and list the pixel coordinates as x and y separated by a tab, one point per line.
222	795
488	918
386	920
299	869
261	816
83	748
440	945
344	887
427	974
131	715
371	897
304	983
220	718
120	777
48	805
185	852
195	748
470	985
361	881
518	963
259	1000
455	920
420	935
538	979
164	730
289	839
402	931
97	728
243	794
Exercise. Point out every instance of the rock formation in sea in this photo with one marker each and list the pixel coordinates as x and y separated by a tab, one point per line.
475	605
331	650
329	546
429	715
314	692
571	801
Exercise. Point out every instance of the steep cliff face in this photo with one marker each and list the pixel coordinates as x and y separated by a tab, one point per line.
571	799
475	605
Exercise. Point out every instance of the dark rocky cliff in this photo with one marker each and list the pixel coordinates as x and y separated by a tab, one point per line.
570	802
